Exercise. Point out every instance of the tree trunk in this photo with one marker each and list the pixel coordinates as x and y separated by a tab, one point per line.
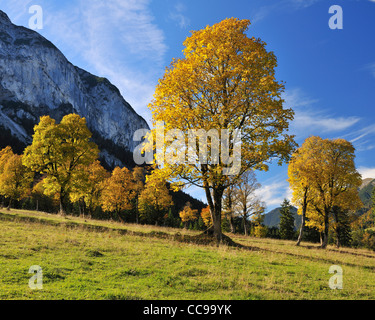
9	204
136	211
302	227
214	201
83	208
304	209
325	232
119	216
218	196
62	211
338	229
89	209
216	220
244	225
231	222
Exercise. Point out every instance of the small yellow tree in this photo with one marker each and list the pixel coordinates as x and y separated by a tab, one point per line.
188	214
88	184
259	230
15	179
118	192
155	200
5	155
206	216
60	151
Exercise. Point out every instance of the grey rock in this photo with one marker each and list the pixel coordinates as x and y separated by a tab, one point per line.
36	79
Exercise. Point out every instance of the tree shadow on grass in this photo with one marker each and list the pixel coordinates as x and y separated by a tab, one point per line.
207	238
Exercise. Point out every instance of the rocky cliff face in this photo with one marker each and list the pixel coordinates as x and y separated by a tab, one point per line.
36	79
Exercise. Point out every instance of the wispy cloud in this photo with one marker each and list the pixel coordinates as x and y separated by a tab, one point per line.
117	39
273	193
371	67
300	4
280	6
362	138
16	9
309	119
178	15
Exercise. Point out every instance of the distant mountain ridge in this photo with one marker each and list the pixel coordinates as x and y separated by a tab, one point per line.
365	191
272	218
36	79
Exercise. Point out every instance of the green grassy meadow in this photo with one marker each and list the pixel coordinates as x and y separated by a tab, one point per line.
102	260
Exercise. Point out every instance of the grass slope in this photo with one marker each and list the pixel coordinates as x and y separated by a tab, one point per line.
99	260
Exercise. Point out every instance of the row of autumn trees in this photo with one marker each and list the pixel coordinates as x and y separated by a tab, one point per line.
225	81
325	186
61	164
243	211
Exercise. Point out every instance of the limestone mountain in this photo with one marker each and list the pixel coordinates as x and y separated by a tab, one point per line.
36	79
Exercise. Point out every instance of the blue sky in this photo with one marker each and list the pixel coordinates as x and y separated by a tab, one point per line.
329	74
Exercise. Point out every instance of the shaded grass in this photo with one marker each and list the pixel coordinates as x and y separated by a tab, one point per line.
82	263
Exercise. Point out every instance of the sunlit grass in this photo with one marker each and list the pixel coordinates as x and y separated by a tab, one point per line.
81	264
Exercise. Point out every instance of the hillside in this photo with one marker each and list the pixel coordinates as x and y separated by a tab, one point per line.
365	192
84	260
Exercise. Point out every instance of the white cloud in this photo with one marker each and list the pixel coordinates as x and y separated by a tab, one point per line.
17	10
372	67
178	15
299	4
280	6
316	121
363	138
309	119
367	172
273	194
118	39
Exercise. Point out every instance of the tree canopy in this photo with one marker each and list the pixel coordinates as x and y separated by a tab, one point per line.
226	81
59	150
322	175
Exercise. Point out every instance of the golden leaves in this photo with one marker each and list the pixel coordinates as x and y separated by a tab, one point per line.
188	214
15	178
322	175
226	80
60	151
118	191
